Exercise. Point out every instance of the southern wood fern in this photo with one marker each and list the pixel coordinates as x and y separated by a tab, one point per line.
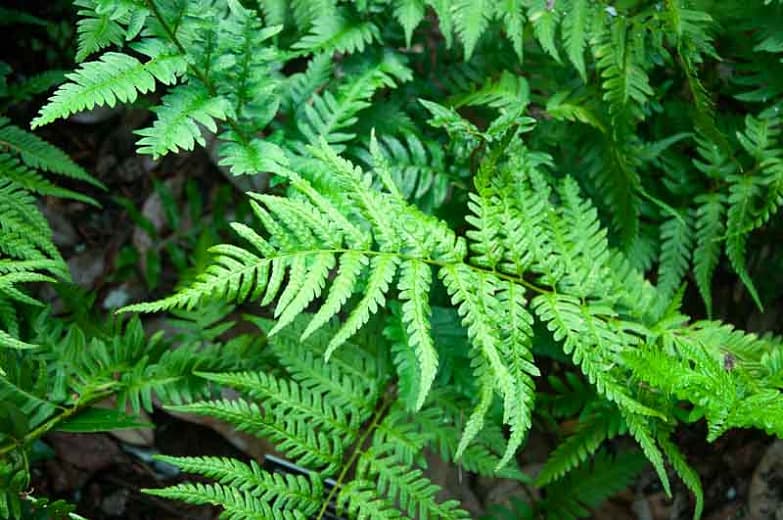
575	174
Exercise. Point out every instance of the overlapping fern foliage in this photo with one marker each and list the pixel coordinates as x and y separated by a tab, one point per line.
462	191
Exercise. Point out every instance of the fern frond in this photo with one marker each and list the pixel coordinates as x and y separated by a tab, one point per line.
337	32
587	338
282	492
415	279
37	153
742	194
471	18
184	110
409	13
113	77
360	499
350	380
676	237
685	472
511	14
286	400
592	430
414	493
96	30
294	438
329	114
10	341
544	18
236	504
382	271
709	230
591	484
12	170
625	81
639	428
575	28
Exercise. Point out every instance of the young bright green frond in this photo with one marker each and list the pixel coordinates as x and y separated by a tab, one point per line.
180	117
382	271
415	280
351	265
113	77
97	29
9	341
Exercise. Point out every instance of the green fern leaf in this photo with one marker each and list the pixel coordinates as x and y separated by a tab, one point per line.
37	153
544	18
9	341
409	13
360	499
591	431
688	475
471	18
293	492
414	493
639	428
236	504
250	157
575	30
294	438
415	279
709	230
383	267
742	194
676	237
95	30
311	286
510	12
335	32
180	116
113	77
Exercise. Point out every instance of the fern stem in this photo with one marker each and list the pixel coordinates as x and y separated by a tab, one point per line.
48	425
436	263
380	413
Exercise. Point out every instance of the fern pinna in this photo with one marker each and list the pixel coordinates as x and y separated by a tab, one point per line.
576	152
